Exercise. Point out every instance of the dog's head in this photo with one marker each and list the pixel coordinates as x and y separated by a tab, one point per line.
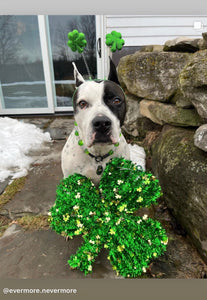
99	108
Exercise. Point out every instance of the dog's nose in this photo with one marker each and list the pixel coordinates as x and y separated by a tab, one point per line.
101	124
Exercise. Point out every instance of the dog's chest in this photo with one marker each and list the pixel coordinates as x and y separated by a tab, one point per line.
75	160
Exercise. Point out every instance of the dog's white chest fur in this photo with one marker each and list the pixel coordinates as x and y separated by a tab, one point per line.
75	160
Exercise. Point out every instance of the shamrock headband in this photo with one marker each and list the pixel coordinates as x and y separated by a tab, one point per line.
77	41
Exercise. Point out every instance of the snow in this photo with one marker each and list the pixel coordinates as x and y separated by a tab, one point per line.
17	139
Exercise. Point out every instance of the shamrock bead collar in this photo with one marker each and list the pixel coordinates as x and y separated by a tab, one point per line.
98	158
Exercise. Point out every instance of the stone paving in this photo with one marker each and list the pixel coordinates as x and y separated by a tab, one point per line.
44	254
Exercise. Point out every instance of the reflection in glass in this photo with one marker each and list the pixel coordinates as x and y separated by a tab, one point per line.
63	57
21	69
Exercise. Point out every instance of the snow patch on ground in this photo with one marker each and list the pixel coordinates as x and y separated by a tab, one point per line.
17	139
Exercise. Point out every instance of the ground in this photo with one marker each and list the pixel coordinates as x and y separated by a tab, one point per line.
30	249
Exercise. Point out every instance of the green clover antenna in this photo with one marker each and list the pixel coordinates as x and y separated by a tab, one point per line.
77	42
114	41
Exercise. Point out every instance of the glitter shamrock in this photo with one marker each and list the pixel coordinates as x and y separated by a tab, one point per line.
114	41
77	41
106	220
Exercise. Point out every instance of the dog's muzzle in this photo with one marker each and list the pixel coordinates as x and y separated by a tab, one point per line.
102	129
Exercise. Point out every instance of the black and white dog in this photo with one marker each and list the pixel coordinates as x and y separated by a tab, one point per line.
99	109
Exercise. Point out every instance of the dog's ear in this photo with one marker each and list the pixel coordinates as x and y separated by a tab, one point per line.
77	76
112	72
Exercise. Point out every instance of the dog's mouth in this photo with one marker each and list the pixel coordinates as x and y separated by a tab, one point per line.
98	138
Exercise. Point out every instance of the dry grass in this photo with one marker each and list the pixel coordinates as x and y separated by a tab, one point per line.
34	222
11	190
4	224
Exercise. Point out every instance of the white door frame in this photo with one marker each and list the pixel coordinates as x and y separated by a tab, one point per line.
47	61
1	99
100	34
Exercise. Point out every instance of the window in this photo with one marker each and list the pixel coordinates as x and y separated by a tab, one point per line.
21	68
62	55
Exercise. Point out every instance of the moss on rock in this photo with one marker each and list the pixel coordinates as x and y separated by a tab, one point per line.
182	171
193	82
162	113
152	75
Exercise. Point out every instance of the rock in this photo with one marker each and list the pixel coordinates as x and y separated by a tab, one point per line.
182	44
181	101
132	115
193	82
204	35
162	113
200	138
135	124
203	42
182	172
147	109
152	75
152	48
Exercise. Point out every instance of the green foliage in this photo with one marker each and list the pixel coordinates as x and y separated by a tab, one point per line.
105	218
77	41
114	41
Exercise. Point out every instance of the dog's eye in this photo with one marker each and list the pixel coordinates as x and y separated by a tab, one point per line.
82	104
116	101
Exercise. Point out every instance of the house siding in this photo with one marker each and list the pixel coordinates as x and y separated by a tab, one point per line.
146	30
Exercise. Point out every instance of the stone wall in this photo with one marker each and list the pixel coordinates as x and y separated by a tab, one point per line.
166	92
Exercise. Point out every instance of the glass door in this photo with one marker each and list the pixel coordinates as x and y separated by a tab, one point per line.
22	79
36	73
62	55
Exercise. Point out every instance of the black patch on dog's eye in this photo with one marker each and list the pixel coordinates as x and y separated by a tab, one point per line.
114	98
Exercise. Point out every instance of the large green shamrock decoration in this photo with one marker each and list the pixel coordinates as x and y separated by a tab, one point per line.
114	41
77	41
105	218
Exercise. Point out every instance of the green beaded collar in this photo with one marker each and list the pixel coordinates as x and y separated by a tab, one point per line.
98	158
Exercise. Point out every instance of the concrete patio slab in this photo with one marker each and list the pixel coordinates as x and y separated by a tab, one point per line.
43	254
60	128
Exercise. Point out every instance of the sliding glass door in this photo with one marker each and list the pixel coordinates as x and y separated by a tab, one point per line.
62	56
22	77
36	73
